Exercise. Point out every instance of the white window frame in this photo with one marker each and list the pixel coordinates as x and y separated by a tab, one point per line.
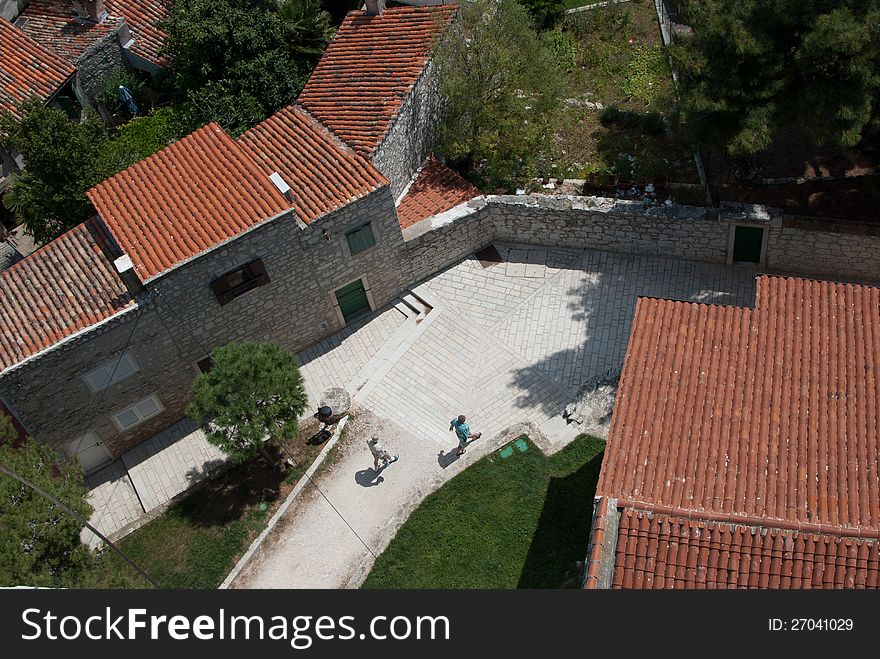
133	408
110	367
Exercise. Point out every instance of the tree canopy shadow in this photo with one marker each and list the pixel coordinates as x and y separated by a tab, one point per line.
226	498
560	541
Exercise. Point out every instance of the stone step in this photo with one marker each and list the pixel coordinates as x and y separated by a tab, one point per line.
404	308
413	303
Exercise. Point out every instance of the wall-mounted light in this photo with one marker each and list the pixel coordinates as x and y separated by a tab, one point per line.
325	233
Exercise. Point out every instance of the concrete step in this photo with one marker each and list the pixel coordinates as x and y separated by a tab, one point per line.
413	303
405	309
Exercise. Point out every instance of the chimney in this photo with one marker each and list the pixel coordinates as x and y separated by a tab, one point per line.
125	268
374	7
282	186
90	10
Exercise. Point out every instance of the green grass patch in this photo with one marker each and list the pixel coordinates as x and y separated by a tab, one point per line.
198	540
517	522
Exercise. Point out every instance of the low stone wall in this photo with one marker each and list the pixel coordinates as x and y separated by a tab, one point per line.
580	222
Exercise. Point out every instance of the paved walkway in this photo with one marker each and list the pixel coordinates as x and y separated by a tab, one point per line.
506	344
149	476
145	479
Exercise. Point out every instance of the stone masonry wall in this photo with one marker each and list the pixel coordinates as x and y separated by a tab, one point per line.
296	307
580	222
100	60
51	398
824	253
181	321
410	140
626	226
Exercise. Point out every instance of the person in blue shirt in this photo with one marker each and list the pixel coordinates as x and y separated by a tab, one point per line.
463	432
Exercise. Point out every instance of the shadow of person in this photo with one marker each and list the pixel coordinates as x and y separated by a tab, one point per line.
369	477
445	459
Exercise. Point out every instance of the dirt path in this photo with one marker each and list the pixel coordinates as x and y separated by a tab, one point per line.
313	547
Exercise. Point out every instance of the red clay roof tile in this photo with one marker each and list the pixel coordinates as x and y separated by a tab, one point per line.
698	553
62	288
185	199
323	172
54	24
752	439
770	413
367	70
435	189
27	69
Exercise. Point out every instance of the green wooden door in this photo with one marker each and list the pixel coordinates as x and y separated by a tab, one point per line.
352	299
747	243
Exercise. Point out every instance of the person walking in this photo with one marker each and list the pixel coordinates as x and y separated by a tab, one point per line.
379	453
463	432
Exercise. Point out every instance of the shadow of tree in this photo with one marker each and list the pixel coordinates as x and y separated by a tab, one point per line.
228	497
560	541
601	305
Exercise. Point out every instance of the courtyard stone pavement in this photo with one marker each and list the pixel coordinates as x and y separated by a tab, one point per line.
510	348
509	344
145	479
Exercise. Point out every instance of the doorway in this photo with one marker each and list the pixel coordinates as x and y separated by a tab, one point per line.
748	243
90	451
353	299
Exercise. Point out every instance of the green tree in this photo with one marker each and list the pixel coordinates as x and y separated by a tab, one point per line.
63	159
752	67
39	544
253	394
238	61
61	163
501	85
545	12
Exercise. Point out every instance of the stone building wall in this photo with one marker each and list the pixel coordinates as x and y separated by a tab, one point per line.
52	400
100	60
410	140
179	321
305	267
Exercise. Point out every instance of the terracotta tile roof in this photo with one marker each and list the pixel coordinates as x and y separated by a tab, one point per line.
435	189
54	24
63	287
367	70
188	197
659	551
766	417
770	413
323	172
143	18
27	69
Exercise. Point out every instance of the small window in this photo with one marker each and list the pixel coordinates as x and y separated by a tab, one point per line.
140	411
240	281
110	372
360	239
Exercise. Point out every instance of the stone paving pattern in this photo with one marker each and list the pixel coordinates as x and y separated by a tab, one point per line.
503	345
516	348
335	361
171	462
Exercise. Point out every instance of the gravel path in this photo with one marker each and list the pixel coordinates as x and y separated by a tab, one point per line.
312	547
